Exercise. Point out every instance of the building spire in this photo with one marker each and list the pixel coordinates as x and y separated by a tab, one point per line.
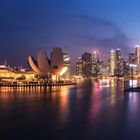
5	63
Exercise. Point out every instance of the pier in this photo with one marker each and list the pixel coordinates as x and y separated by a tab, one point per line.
36	84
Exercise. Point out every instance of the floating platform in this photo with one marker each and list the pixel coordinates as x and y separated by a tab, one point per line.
35	84
132	89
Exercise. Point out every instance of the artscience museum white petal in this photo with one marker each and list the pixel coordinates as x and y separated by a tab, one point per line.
44	66
43	62
57	63
33	65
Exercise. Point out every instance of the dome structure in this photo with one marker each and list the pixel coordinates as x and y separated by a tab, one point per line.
45	66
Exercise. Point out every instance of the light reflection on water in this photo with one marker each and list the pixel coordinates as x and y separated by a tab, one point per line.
92	109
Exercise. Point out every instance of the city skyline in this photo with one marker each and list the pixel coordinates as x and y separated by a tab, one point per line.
28	26
93	64
115	57
69	69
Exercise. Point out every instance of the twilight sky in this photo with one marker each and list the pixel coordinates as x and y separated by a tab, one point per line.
27	26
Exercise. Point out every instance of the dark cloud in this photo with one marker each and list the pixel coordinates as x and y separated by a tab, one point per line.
75	34
88	32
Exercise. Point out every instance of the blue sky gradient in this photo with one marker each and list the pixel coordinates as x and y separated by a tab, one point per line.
27	26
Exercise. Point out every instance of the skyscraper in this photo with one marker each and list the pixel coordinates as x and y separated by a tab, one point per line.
112	62
119	61
96	64
132	64
66	59
137	54
131	58
95	56
126	68
118	54
79	67
87	64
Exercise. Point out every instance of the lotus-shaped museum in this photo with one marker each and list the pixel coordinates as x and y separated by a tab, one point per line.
48	66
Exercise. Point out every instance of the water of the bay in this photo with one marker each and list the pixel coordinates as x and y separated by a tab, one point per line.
91	110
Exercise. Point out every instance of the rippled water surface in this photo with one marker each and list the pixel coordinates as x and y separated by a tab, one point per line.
89	111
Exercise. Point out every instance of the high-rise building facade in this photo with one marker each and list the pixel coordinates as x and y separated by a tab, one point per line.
90	65
132	58
119	70
66	59
87	64
137	54
95	63
79	67
118	55
112	62
132	64
95	56
137	57
126	68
